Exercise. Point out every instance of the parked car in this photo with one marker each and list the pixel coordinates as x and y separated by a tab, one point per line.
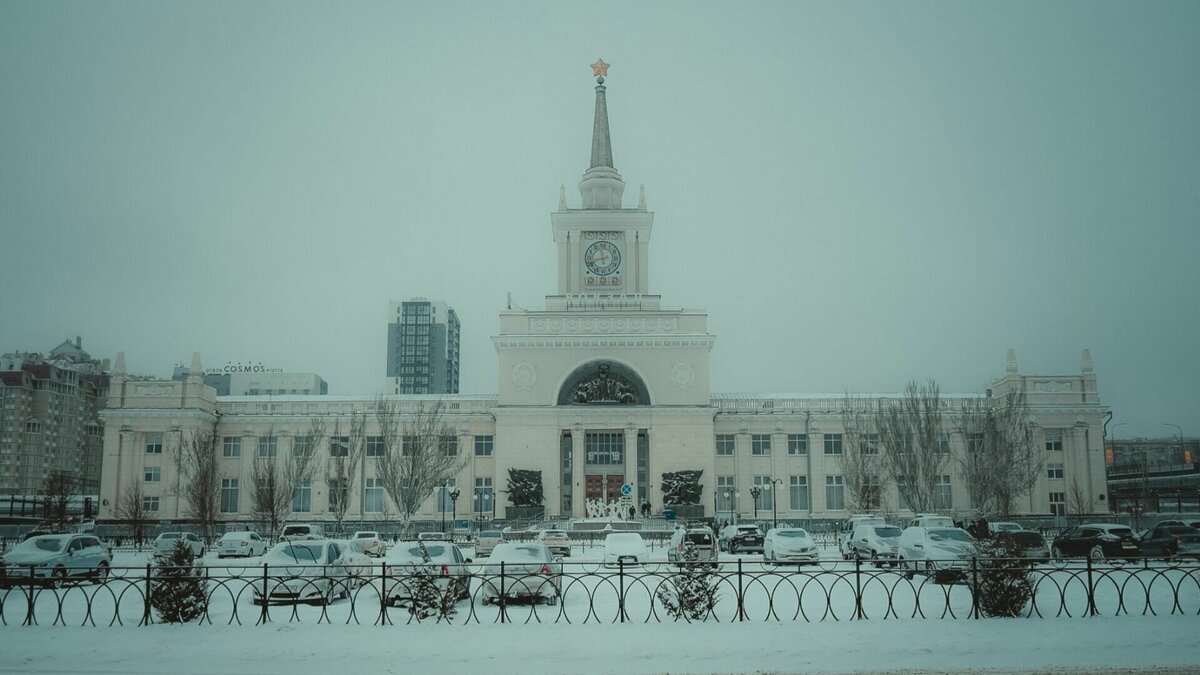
301	532
934	550
931	520
746	538
1171	541
625	548
360	565
1003	526
433	536
789	544
530	573
304	570
165	543
1031	544
1098	541
699	539
372	543
56	558
557	541
872	541
439	559
243	544
486	541
846	531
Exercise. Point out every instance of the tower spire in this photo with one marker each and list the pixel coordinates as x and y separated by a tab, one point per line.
602	185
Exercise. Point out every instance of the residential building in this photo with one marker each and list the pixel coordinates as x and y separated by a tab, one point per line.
422	347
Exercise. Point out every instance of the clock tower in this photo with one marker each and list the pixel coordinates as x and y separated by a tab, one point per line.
602	248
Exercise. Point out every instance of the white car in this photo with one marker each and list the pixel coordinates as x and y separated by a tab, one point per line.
871	541
558	541
997	528
935	549
372	543
240	545
931	520
789	544
433	536
165	543
625	548
301	532
360	564
304	570
530	573
847	530
441	560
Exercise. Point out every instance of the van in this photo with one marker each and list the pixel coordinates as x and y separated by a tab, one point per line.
301	531
701	540
846	532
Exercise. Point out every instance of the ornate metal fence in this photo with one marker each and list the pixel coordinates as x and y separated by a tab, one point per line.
737	591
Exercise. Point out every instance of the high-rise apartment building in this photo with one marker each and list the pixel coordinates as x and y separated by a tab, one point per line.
422	352
49	422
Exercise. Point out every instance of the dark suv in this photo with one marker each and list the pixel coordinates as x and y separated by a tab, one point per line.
1170	541
1096	541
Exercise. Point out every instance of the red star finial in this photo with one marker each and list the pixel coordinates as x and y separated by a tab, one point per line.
600	68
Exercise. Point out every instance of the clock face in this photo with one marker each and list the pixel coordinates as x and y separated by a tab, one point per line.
602	258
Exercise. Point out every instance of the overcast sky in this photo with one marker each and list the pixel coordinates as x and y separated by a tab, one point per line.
859	194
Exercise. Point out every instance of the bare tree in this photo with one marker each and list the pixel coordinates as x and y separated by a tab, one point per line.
132	508
59	487
199	484
861	463
915	456
276	481
420	453
1077	501
1002	460
345	453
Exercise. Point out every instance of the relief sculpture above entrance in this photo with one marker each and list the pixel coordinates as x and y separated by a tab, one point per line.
603	384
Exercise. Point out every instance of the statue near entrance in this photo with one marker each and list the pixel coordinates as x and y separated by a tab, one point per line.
605	387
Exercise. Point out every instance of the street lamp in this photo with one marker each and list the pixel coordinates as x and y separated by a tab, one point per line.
1177	430
454	493
774	513
755	492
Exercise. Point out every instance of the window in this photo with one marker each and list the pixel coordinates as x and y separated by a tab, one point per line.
760	444
726	493
448	445
337	494
339	446
872	493
154	444
798	493
797	444
302	446
229	495
231	446
870	444
725	444
302	500
763	483
1054	470
152	474
483	446
268	446
1058	504
483	494
604	447
373	496
941	493
150	504
974	443
835	492
833	444
375	446
943	444
1054	440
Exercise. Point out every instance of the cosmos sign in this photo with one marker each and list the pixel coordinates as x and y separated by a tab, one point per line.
242	367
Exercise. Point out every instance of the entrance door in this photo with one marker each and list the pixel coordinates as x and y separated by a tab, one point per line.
594	488
605	488
613	484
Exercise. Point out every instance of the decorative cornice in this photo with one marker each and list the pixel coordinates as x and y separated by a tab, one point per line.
548	342
603	325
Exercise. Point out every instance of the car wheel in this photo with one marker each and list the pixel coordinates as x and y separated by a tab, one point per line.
1096	553
904	566
58	577
328	599
101	572
875	557
1166	553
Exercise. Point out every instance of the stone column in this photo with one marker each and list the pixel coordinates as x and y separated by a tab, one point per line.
577	477
631	432
741	470
1084	462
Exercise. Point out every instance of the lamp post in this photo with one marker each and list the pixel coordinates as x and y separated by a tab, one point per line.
755	492
1177	430
454	493
774	490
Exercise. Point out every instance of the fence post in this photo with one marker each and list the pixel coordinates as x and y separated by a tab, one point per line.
503	614
383	594
266	596
146	609
858	610
975	586
1091	595
29	613
621	591
741	596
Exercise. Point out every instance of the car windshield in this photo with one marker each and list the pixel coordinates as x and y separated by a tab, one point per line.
233	536
365	535
169	535
50	544
792	534
1122	532
294	530
556	534
702	538
516	552
949	535
299	553
1182	529
888	531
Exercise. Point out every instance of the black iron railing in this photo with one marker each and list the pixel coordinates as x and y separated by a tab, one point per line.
583	592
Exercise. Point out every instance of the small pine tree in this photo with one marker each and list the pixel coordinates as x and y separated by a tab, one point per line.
1003	587
429	601
177	590
691	593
